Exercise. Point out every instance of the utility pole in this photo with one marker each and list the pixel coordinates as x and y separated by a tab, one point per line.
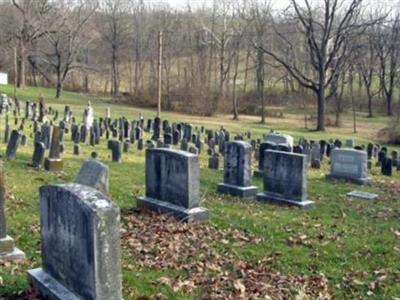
15	71
160	53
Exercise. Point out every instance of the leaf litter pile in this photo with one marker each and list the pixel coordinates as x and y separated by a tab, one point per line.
206	256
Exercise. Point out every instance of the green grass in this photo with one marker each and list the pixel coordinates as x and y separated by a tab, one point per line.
347	239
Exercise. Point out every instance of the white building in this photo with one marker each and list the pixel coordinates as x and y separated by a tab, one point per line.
3	78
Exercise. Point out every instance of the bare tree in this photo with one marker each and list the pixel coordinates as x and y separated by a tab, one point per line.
387	41
66	39
325	30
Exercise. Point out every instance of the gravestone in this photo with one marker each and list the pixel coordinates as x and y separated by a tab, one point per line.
386	167
173	185
54	162
237	171
93	173
80	245
349	164
276	138
77	149
126	146
38	155
213	162
13	144
8	251
115	147
285	179
261	154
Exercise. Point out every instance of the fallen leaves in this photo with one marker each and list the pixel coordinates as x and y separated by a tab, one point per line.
206	256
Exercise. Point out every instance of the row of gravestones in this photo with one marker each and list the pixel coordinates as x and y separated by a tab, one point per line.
182	132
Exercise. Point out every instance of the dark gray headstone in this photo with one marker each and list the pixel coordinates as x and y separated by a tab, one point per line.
237	170
173	184
285	179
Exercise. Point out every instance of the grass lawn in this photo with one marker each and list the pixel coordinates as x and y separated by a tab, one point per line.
353	244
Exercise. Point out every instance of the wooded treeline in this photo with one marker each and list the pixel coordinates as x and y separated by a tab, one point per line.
233	56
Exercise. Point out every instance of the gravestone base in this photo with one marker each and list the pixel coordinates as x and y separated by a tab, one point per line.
276	199
360	181
258	173
187	215
238	191
8	251
53	165
48	287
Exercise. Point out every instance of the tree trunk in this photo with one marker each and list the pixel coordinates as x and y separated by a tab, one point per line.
321	108
59	87
389	110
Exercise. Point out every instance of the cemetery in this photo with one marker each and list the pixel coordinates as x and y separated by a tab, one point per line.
154	150
159	208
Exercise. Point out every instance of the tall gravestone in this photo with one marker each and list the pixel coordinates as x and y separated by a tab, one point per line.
285	179
38	155
173	185
349	164
237	171
80	245
54	161
8	251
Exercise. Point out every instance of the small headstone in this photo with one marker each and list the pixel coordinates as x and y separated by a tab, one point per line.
116	151
54	162
213	162
94	174
349	164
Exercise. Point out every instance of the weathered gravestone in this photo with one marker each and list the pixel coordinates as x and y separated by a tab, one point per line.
8	251
285	179
349	164
93	173
237	171
80	245
54	162
116	151
277	139
213	161
13	144
38	155
173	185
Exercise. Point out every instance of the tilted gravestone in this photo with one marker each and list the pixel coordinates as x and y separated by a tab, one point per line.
277	138
94	173
38	155
80	245
285	179
13	144
237	171
8	251
173	185
349	164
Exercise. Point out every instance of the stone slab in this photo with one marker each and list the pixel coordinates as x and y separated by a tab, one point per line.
238	191
53	165
6	245
190	215
16	255
362	195
276	199
48	287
